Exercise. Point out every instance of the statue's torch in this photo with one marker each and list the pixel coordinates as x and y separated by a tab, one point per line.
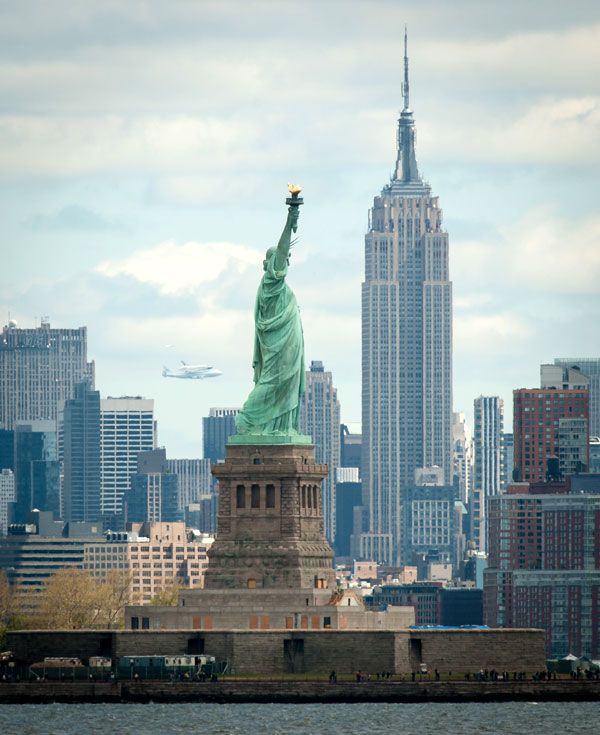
294	200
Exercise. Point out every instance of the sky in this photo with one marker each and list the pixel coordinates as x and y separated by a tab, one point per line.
146	147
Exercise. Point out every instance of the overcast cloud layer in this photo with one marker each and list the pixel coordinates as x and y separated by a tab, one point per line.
145	149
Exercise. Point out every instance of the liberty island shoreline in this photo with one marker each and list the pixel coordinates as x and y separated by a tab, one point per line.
298	692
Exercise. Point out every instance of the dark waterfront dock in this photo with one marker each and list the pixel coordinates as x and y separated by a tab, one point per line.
298	692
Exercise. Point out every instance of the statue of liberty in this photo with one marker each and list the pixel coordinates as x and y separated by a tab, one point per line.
270	413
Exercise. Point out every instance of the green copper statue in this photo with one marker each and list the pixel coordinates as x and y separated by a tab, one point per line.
270	414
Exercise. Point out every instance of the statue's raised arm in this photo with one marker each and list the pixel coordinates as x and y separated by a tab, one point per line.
271	410
283	246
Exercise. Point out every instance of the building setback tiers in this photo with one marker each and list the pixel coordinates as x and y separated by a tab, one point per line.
406	360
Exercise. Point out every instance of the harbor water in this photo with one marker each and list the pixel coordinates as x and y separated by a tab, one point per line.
306	719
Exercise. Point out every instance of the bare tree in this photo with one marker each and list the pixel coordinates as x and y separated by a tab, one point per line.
71	598
13	605
116	595
6	600
168	594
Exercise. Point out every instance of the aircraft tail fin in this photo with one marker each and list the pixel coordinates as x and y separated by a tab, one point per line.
165	371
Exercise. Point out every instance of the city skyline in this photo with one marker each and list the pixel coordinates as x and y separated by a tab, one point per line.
144	173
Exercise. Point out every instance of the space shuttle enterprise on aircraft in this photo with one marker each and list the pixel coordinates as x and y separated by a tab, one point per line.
192	372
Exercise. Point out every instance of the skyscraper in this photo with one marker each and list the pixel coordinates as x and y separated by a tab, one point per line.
350	448
349	509
7	495
193	479
429	518
508	457
558	377
594	465
152	495
320	419
590	367
81	455
462	456
348	498
37	471
38	371
489	472
7	449
217	427
406	344
126	429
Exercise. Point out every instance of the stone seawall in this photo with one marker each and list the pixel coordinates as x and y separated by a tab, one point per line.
272	652
298	692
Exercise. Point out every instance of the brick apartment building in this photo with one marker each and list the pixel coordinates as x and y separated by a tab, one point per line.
544	563
551	426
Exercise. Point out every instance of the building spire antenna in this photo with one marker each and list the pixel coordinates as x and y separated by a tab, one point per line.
405	84
407	171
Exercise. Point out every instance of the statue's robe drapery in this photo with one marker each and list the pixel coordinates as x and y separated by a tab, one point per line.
274	402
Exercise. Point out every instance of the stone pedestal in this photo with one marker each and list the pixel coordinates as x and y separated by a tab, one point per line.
270	521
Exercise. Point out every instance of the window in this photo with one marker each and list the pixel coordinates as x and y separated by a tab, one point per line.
241	496
270	496
145	623
255	497
135	623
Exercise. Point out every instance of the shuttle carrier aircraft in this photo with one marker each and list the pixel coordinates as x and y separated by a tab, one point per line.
192	372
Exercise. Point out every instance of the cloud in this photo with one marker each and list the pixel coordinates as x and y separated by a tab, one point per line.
471	301
516	60
208	189
73	217
63	145
541	252
165	106
186	268
476	332
556	129
551	130
555	255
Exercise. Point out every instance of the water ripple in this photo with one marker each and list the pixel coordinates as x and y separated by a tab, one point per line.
508	718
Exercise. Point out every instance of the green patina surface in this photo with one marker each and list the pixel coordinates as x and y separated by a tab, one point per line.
271	412
291	438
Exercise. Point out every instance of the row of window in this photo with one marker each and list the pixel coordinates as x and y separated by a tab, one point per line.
254	501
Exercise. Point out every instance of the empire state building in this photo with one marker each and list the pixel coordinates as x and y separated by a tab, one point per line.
406	346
